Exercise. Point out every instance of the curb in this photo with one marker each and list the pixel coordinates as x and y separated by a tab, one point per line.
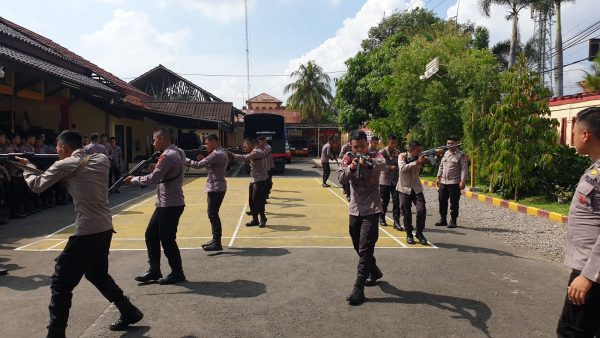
532	211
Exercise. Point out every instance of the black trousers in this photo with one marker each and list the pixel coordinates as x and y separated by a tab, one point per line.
114	174
162	230
364	232
580	321
326	172
346	188
18	194
83	256
406	201
257	198
385	192
215	199
451	191
269	184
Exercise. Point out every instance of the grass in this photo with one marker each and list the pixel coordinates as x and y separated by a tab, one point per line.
540	202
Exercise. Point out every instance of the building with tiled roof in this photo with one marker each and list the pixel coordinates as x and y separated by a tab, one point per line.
565	109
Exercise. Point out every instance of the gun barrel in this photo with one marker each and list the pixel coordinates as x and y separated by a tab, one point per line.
29	155
133	171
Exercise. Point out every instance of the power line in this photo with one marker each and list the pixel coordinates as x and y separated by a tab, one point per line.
236	75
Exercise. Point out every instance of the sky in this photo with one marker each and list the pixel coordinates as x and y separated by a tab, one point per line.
204	40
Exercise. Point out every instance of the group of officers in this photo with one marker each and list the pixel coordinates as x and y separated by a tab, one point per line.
399	181
85	171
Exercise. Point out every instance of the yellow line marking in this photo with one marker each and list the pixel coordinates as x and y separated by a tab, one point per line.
237	228
555	216
57	244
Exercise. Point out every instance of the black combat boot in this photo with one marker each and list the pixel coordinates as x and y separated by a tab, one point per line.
214	245
56	332
397	225
208	243
357	296
129	315
441	223
263	221
421	238
172	278
253	223
382	221
374	276
409	238
452	224
153	274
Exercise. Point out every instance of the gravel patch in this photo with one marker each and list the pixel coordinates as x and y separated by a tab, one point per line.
543	236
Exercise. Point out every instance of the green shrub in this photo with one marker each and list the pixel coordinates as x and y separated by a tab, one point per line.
561	176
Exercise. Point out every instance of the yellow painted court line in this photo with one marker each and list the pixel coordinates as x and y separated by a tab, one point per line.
237	228
382	229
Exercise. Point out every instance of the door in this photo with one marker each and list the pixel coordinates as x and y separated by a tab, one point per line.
129	145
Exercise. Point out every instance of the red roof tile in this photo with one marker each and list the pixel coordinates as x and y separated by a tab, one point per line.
264	97
567	99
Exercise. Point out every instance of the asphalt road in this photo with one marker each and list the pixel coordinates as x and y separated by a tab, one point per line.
472	286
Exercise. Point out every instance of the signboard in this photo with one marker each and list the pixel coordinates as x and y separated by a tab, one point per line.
431	69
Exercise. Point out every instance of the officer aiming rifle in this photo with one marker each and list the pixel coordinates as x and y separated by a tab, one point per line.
431	153
135	170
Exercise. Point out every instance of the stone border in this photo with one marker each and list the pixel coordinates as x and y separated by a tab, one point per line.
532	211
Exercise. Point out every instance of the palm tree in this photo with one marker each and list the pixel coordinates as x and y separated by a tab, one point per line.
514	7
558	62
310	92
591	82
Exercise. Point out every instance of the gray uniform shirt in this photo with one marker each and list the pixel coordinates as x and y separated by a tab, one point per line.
268	157
388	176
408	175
453	167
89	188
216	164
259	170
365	199
170	168
95	148
346	148
327	153
583	233
117	155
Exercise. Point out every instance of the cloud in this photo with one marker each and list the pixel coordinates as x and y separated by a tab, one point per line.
221	11
130	44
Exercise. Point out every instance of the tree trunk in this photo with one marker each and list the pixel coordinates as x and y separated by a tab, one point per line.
558	63
514	41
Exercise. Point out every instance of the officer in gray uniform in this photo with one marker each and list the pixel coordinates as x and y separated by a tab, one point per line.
326	155
162	228
374	143
346	148
261	141
581	310
86	252
364	209
451	177
388	181
95	147
216	186
259	176
411	191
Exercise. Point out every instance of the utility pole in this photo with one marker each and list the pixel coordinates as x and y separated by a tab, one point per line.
247	49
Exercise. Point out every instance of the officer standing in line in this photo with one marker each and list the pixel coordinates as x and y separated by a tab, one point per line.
116	161
411	191
326	155
162	228
86	252
216	186
346	148
581	309
388	181
364	209
261	142
258	181
374	143
451	177
95	147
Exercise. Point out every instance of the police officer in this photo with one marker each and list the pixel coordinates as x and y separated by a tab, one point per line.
388	180
451	177
86	252
162	228
258	181
95	147
411	191
116	161
326	155
216	186
261	142
581	311
346	148
374	143
364	209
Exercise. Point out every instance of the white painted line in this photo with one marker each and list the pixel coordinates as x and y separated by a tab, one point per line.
237	228
30	244
57	244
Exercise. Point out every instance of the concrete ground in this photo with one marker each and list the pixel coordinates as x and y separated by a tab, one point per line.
289	279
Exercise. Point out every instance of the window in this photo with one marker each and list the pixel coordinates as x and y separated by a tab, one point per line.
563	131
573	120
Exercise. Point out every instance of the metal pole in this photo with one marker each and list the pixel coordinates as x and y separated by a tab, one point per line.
247	48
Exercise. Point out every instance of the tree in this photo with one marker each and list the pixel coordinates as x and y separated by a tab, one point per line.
558	46
481	38
591	82
514	7
513	155
310	92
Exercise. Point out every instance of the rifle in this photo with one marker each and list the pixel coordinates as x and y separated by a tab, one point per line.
142	165
193	153
368	162
11	159
430	153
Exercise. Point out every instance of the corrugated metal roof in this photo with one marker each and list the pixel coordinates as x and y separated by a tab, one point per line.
54	70
214	111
